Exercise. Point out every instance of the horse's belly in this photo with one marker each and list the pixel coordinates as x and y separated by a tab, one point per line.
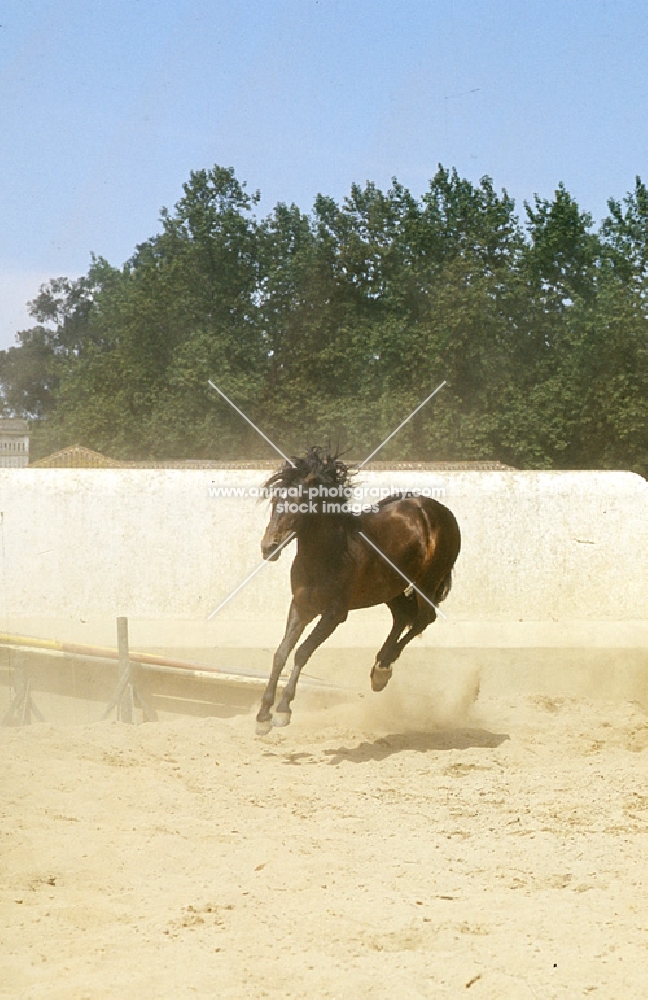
368	595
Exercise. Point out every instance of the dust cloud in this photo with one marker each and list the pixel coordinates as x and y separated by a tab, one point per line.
413	701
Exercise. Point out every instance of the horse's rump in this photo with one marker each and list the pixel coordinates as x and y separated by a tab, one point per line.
419	536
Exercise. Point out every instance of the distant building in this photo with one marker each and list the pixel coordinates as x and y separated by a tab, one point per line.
14	443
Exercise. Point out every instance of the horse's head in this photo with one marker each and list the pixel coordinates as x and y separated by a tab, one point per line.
295	493
281	526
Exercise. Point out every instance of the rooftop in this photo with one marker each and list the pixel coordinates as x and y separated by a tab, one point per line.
78	457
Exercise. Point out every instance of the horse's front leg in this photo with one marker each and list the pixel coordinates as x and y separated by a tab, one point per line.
295	625
327	624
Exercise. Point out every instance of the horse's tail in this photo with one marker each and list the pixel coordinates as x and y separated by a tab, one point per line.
444	588
450	539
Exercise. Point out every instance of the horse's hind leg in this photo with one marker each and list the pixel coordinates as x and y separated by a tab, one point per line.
294	628
404	609
425	614
325	626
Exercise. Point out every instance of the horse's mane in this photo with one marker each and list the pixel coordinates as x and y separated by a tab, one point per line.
319	468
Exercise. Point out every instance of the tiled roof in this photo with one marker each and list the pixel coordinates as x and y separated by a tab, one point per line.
76	457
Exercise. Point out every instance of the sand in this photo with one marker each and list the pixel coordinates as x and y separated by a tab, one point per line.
400	845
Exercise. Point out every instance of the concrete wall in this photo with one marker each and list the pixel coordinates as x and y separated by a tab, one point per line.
548	558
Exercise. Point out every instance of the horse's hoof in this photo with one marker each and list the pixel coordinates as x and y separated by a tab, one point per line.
380	677
263	728
281	719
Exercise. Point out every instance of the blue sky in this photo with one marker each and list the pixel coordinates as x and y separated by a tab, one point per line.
108	104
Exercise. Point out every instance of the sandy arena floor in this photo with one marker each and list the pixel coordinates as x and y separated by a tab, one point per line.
398	846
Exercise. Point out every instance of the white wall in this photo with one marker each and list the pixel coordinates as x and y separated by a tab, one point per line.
559	557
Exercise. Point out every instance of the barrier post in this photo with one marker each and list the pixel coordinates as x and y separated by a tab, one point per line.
128	691
22	707
125	704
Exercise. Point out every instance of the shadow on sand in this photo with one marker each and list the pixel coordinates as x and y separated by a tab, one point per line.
442	739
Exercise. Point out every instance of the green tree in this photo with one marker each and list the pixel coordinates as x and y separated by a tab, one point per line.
563	255
31	371
334	325
179	314
625	235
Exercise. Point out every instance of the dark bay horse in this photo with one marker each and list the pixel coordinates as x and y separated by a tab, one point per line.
399	553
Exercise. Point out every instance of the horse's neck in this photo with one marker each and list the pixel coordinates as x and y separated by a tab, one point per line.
322	535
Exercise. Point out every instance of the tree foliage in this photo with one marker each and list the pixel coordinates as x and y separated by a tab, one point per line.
334	325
